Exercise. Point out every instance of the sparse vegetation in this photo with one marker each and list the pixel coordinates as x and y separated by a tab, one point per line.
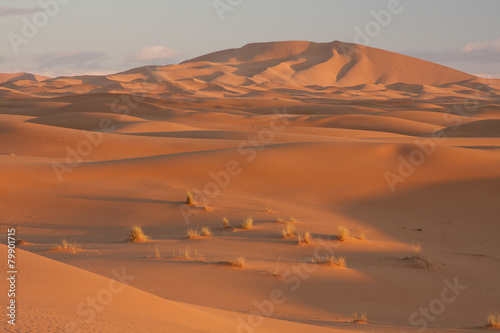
362	237
419	262
225	223
156	254
493	320
342	233
289	231
305	238
206	232
193	233
416	250
238	262
330	260
186	255
359	318
136	235
189	199
65	246
247	224
268	208
290	220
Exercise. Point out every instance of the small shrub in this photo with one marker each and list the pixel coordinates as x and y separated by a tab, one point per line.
330	260
155	255
289	231
362	237
247	224
342	233
205	232
189	199
416	250
185	254
65	246
193	233
135	235
493	320
225	223
359	318
306	238
238	262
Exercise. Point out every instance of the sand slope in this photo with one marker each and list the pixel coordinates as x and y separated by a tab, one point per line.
397	149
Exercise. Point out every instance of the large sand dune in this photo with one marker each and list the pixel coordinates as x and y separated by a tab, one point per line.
397	149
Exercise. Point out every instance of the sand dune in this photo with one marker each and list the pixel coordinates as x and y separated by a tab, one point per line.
64	302
315	135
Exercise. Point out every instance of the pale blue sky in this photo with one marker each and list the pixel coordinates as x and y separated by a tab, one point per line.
105	36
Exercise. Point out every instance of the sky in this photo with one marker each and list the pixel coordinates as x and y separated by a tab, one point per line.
72	37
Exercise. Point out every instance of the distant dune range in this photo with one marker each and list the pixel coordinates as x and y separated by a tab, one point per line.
393	147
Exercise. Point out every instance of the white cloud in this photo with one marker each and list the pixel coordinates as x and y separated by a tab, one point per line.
493	46
158	54
10	11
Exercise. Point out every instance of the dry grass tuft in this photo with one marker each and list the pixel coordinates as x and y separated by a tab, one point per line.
359	318
237	262
225	223
289	231
493	320
268	208
186	255
247	224
342	233
155	255
206	232
70	247
193	233
306	238
416	250
330	260
189	199
362	237
136	235
287	221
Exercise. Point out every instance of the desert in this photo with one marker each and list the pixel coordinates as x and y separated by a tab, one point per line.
289	186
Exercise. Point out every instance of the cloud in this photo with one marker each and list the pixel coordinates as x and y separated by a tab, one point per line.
493	47
69	59
155	54
11	11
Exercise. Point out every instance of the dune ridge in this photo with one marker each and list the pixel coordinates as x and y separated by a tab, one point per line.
300	137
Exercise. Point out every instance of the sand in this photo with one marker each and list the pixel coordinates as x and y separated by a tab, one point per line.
399	150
